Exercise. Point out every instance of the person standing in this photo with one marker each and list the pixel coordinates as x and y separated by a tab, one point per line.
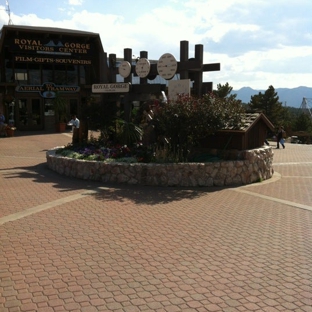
2	124
75	123
280	137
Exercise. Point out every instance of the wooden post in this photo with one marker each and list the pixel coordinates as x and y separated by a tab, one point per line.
112	67
198	75
143	54
193	68
184	48
128	58
126	99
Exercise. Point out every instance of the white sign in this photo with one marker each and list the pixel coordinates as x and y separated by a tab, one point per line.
176	87
110	87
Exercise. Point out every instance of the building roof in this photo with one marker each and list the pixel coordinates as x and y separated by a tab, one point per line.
6	29
48	30
248	120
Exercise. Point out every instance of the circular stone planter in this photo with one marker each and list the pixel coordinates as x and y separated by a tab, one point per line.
253	166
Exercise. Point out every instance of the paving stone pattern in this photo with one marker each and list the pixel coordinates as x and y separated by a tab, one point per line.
74	245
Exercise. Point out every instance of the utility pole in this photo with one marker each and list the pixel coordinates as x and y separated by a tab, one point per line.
8	11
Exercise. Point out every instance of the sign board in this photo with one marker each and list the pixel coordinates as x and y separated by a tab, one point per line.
59	47
48	89
176	87
111	87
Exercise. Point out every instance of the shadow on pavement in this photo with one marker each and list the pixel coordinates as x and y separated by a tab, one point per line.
138	194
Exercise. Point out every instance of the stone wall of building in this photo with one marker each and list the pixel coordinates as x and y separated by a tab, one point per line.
253	166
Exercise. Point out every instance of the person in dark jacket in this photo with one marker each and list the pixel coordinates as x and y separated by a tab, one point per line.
2	125
280	137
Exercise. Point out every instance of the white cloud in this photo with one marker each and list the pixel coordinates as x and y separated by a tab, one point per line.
75	2
255	41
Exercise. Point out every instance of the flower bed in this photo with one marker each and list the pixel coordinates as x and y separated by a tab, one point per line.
252	166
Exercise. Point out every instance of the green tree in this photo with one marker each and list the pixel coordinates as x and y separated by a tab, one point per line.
269	104
224	91
303	123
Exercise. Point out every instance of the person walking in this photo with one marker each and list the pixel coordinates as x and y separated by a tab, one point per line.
280	137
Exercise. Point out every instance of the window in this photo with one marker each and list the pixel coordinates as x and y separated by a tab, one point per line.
34	74
21	77
8	71
20	74
48	107
60	74
47	73
82	74
72	75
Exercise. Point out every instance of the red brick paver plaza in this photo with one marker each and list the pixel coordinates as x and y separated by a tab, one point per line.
74	245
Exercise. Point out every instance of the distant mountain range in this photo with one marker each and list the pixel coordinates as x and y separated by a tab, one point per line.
289	97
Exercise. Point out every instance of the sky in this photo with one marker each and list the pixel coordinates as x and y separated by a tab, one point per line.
257	42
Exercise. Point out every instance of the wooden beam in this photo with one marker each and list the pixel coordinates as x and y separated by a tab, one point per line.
211	67
194	65
148	88
189	65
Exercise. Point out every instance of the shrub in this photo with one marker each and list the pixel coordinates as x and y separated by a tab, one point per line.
188	119
175	127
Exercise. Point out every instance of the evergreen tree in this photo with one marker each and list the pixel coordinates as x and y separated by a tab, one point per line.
303	123
224	91
269	104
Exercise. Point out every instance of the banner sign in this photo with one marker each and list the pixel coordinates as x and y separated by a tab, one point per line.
48	89
51	60
111	87
57	47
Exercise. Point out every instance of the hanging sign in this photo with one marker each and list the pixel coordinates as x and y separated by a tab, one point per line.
111	87
48	89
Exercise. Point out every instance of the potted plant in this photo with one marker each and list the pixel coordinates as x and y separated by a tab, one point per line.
59	105
10	130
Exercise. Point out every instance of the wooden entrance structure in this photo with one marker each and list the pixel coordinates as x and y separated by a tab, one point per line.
188	68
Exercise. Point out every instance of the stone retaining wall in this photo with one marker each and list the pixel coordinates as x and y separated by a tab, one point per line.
253	166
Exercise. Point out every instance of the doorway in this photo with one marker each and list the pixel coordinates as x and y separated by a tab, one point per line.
29	114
